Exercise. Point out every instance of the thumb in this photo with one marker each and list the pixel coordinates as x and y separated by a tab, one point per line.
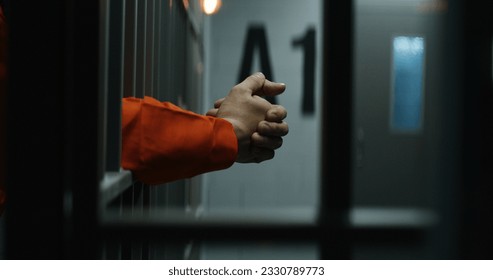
263	87
253	83
257	84
272	88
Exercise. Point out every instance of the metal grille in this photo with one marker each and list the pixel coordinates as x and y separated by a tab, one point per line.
150	48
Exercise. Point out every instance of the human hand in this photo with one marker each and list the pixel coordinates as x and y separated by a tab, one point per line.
268	136
258	125
270	131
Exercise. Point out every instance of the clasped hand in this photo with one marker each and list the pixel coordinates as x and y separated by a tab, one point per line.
259	125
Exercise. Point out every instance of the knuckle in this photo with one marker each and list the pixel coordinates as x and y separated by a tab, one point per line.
278	113
265	127
273	128
236	88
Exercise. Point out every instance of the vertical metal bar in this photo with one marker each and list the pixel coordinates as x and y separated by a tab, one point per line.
146	194
127	204
445	237
149	53
148	90
141	36
164	51
85	128
68	117
169	61
35	131
477	192
115	84
336	131
130	47
137	210
156	85
158	12
104	16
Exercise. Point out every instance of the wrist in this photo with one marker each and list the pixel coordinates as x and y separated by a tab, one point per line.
243	137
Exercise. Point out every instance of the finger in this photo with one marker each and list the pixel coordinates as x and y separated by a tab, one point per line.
252	84
261	141
266	128
212	112
262	154
277	113
218	102
272	88
257	84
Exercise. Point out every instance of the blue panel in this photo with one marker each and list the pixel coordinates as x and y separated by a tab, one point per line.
407	86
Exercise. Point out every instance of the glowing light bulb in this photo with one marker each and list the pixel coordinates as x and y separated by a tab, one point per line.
211	6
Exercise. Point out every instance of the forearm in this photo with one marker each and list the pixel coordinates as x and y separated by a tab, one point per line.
163	143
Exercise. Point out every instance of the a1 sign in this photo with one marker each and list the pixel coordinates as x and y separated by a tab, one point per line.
256	39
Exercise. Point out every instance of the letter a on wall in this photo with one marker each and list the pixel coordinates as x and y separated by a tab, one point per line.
256	38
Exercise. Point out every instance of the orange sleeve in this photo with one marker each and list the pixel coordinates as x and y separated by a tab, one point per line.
162	142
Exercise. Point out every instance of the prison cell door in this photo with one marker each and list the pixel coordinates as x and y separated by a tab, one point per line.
405	132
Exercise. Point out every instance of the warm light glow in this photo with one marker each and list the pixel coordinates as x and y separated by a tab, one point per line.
211	6
186	4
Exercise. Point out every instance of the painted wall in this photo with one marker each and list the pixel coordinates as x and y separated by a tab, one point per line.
291	179
286	40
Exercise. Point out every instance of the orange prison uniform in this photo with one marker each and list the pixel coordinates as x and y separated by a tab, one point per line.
162	142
